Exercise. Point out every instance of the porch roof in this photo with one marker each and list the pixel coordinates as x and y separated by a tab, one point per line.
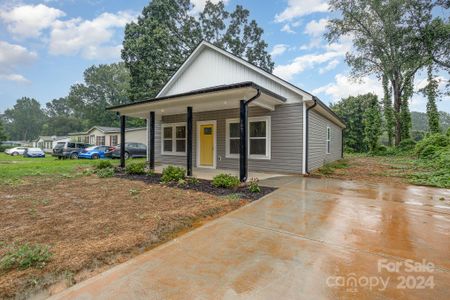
207	99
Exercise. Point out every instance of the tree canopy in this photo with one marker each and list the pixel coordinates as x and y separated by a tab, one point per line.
166	33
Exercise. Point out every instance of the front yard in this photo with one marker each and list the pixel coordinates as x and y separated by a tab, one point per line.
60	224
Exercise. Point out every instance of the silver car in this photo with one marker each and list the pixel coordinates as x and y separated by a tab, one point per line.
16	151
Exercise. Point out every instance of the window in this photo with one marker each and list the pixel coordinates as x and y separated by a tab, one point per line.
174	139
99	140
258	138
328	140
113	140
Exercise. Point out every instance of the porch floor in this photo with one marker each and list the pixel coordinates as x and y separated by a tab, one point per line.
208	174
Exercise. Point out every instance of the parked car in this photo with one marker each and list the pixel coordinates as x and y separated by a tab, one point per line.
94	152
16	151
131	150
68	149
34	152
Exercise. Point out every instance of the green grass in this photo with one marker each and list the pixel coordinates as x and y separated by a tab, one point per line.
25	256
14	169
329	168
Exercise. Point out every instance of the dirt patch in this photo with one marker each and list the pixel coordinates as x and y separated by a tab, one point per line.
372	169
92	224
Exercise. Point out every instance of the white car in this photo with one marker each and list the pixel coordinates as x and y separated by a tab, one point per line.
16	151
34	152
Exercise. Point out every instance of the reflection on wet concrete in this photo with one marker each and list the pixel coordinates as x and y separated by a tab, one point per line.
310	239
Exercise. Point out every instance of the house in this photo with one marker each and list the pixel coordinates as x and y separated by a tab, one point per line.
109	136
220	111
47	143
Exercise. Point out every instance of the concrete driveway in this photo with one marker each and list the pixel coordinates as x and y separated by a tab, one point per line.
310	239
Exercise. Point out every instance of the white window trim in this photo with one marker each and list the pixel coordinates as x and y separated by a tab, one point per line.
328	140
267	119
174	139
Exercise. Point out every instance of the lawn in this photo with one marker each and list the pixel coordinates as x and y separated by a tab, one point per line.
60	224
397	169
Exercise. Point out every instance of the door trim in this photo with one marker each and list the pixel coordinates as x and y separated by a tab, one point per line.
197	158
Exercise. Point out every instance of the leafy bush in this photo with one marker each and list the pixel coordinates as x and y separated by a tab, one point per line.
105	173
172	173
103	164
406	145
136	168
25	256
225	181
193	180
253	186
438	140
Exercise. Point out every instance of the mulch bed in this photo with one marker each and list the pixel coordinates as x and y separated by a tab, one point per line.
91	223
203	186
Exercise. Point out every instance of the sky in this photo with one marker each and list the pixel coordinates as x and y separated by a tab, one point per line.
46	45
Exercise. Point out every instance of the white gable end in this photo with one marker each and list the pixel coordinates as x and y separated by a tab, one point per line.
211	68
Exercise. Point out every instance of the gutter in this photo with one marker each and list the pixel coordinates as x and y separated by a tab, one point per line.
307	133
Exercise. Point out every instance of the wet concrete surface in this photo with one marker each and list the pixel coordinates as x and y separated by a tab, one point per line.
310	239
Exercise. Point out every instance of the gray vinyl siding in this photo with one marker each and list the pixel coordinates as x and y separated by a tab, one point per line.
317	147
286	139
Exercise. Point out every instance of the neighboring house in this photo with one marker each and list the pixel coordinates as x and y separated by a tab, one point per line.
15	144
47	143
109	136
216	100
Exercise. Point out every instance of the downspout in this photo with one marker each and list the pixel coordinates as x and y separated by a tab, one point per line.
307	132
243	153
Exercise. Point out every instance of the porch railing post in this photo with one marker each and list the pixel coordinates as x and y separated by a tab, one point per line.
122	141
151	141
189	141
243	162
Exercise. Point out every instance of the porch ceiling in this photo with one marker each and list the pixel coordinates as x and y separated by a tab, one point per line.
215	98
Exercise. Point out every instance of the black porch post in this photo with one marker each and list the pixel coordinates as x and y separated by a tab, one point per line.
243	142
122	141
151	140
189	141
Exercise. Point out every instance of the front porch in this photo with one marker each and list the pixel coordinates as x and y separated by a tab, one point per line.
178	135
208	174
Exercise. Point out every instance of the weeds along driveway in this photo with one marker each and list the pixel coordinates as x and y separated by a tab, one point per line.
306	240
90	224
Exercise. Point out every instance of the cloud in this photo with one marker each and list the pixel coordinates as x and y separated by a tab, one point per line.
287	28
28	21
316	28
200	4
330	66
299	8
343	86
12	56
90	38
278	49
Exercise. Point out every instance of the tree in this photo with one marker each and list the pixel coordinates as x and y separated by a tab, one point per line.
24	121
372	122
362	115
3	136
431	93
388	111
104	85
386	43
61	118
166	32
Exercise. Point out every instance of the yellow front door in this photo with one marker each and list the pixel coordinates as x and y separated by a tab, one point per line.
207	145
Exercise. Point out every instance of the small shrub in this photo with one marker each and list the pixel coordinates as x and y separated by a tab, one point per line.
225	181
136	168
25	256
103	164
88	172
134	192
429	151
406	145
181	183
172	173
193	180
381	149
105	173
253	186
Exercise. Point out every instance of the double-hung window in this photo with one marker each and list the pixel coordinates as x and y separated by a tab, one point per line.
174	139
258	138
328	140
